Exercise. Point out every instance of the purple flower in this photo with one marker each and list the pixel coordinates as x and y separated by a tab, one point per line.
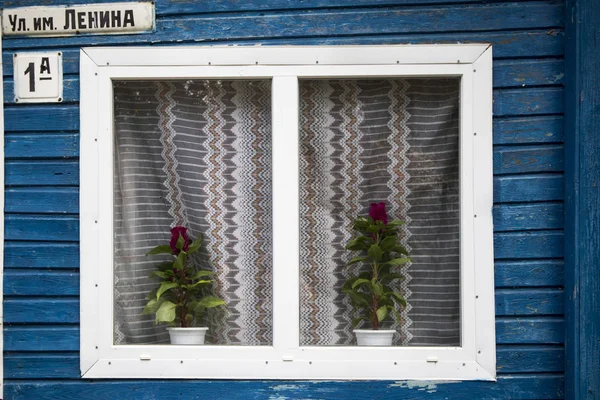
175	232
377	212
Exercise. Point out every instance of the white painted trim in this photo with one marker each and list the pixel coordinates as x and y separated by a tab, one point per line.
475	359
1	228
290	55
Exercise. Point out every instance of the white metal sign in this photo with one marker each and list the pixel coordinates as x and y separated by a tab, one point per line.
110	18
38	77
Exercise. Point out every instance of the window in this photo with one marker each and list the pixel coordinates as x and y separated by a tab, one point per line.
268	153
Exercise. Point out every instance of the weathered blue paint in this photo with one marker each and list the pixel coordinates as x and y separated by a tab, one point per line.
582	180
41	338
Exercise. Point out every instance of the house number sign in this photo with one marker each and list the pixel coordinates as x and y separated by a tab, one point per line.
38	77
108	18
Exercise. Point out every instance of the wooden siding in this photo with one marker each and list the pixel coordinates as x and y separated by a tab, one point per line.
41	284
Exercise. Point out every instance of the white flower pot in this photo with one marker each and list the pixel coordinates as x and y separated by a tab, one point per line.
189	336
370	337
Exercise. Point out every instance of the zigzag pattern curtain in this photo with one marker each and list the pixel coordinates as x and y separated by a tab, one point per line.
198	153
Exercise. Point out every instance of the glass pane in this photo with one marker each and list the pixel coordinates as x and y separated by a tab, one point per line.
369	141
195	154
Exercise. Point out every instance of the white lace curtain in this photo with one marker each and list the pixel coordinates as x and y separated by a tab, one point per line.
198	154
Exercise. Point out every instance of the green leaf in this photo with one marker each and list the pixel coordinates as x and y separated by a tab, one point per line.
359	281
180	261
400	249
151	307
201	273
397	261
193	285
376	288
161	274
189	318
388	243
195	245
165	287
356	321
357	260
397	297
397	315
162	249
391	276
374	228
210	302
165	266
166	312
395	223
382	312
180	242
375	252
358	299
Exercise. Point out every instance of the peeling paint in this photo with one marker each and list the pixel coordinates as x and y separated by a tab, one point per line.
427	386
285	387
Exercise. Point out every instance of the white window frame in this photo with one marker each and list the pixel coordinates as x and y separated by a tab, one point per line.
475	359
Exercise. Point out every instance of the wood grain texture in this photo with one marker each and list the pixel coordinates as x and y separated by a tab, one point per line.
35	310
541	158
41	118
41	338
41	146
41	227
526	245
524	188
393	20
41	255
533	273
530	330
42	173
59	200
46	283
582	228
42	366
524	302
515	387
529	130
526	101
523	359
520	217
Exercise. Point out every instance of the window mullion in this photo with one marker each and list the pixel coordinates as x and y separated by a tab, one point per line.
286	314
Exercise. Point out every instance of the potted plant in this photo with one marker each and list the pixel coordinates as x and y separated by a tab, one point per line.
181	298
370	290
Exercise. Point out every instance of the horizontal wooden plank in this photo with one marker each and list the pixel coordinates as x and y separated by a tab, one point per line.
392	20
526	302
41	366
41	338
40	283
525	188
529	273
530	330
506	74
527	130
41	173
41	145
534	43
528	73
526	245
41	255
219	6
41	227
523	359
42	200
522	159
47	311
545	386
70	90
528	101
41	118
520	217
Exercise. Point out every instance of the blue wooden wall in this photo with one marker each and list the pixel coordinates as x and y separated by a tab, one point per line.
41	284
